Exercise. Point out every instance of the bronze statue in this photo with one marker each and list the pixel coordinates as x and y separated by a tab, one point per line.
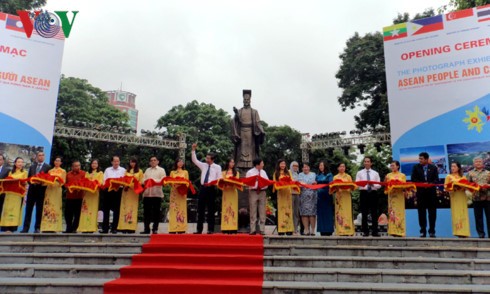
247	133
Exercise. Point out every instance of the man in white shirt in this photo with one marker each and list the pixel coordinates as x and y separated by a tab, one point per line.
152	197
369	197
257	198
112	199
210	171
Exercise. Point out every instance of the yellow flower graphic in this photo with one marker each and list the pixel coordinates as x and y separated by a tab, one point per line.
474	119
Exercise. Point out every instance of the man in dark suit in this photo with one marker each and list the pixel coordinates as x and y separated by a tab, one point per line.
35	194
426	197
4	172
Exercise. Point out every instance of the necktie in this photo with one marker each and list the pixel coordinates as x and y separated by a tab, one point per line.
206	177
369	179
425	172
38	168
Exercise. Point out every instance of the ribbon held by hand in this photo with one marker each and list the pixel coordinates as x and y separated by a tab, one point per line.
44	178
131	182
83	184
13	186
181	184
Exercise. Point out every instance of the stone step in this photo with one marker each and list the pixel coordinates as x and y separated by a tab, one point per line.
379	241
57	285
422	263
392	288
66	247
65	258
361	250
353	275
76	238
48	271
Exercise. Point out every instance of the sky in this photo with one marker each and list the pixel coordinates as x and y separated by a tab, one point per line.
172	52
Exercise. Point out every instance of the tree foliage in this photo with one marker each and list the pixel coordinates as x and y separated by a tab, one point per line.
455	5
203	124
11	6
281	142
80	101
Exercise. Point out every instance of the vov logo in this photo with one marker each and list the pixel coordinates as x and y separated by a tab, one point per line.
47	24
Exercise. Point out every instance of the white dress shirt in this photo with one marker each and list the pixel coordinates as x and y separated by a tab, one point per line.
114	173
253	172
214	169
156	173
373	176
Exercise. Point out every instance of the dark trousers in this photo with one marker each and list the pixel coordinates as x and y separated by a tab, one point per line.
73	209
152	212
478	208
35	196
369	204
207	196
111	201
427	201
2	199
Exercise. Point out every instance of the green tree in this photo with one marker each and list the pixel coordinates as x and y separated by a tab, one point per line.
203	124
80	102
455	5
11	6
362	77
281	142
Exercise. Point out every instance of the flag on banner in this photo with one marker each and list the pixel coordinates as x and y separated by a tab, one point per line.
483	13
426	25
459	14
14	23
3	16
395	32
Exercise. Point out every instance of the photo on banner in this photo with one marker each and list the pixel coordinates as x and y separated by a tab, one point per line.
466	152
26	152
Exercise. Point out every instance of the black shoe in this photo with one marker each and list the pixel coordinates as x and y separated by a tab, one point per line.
103	232
145	232
432	235
27	231
252	233
482	236
365	234
375	235
154	232
37	231
197	233
210	232
423	235
114	232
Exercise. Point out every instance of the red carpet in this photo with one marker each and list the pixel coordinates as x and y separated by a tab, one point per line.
194	264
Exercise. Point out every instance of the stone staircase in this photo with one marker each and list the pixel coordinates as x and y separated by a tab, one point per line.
63	263
81	263
376	265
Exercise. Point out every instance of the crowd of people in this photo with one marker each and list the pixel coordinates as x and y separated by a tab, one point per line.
317	202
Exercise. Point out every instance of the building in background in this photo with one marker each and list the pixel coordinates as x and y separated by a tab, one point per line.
125	101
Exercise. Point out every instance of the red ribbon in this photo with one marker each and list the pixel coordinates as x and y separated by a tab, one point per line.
45	179
463	184
14	186
181	184
115	184
83	184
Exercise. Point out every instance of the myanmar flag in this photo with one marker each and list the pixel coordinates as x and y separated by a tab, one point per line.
395	32
426	25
